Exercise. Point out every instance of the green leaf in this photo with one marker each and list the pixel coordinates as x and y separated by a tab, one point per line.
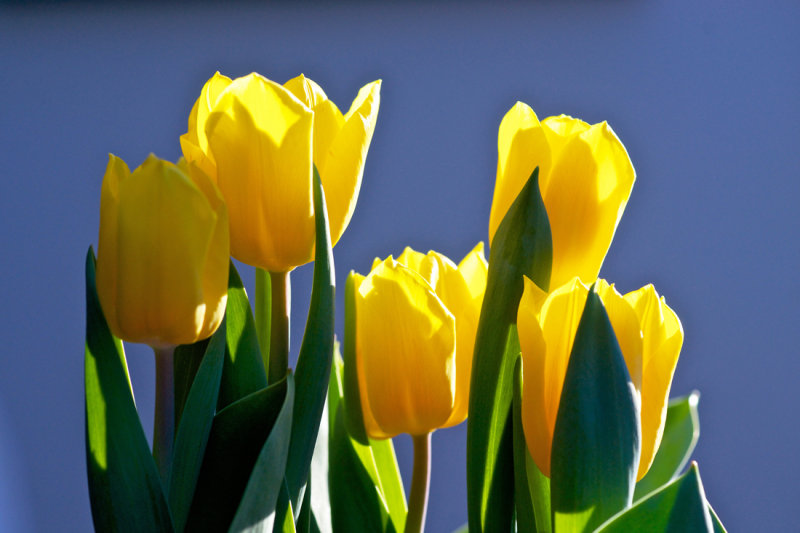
185	364
257	510
366	492
521	246
353	414
316	354
194	429
715	521
124	484
678	507
681	431
237	437
531	487
243	372
596	440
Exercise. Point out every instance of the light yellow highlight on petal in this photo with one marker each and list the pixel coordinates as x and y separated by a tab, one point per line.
663	338
405	351
162	254
585	178
260	137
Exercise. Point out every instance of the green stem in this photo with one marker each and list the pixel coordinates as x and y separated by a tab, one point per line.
420	482
263	303
279	333
164	419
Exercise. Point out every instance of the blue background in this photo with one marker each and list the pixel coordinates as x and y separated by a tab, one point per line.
704	95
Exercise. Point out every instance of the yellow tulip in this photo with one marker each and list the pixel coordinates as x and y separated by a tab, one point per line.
257	139
585	178
163	253
650	338
416	319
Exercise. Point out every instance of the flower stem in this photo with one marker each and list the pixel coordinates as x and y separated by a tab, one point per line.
164	419
420	482
279	334
263	311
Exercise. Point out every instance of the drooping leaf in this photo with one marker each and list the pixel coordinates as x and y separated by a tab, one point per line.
124	485
531	487
257	509
316	354
596	441
521	246
678	507
194	428
243	372
365	488
238	434
681	431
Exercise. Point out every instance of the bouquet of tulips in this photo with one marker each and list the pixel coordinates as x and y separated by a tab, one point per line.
563	381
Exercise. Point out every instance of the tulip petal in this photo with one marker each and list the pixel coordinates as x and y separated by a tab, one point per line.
260	136
167	225
559	131
545	359
405	352
662	341
521	147
588	187
626	328
107	250
194	142
343	166
328	120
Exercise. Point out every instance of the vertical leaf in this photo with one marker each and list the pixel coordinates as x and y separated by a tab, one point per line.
124	484
256	512
316	354
521	246
531	487
237	437
185	364
194	429
366	492
353	414
596	441
681	431
243	372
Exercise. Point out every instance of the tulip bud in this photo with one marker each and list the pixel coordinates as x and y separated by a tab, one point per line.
585	178
649	335
163	253
416	319
258	141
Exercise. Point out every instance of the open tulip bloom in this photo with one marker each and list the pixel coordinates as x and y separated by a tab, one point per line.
563	381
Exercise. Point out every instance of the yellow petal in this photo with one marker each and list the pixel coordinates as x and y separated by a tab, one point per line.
585	195
306	90
559	131
662	341
543	371
107	252
521	146
426	265
194	142
626	327
260	137
164	230
343	167
475	270
405	344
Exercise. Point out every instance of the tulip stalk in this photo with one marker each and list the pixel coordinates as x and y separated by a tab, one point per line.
263	312
420	483
164	419
281	296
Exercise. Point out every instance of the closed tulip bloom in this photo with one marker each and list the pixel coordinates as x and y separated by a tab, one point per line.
649	335
163	253
258	141
585	178
416	319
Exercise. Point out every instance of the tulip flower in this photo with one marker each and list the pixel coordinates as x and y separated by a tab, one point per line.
163	253
258	140
585	178
649	335
416	319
